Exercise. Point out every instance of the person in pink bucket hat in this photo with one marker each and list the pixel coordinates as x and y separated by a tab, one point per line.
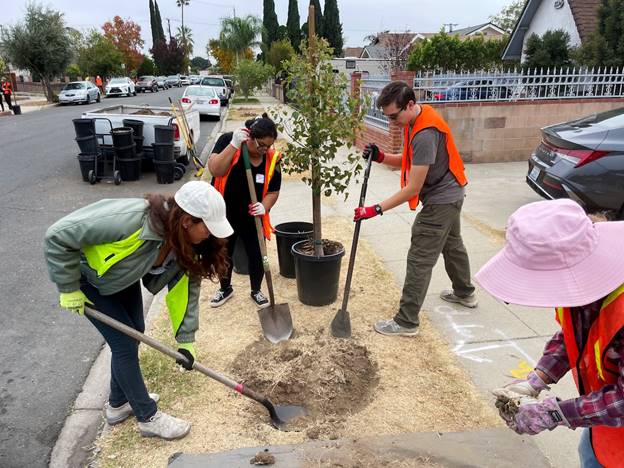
555	256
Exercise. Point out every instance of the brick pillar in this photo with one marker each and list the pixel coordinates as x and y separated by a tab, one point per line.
396	131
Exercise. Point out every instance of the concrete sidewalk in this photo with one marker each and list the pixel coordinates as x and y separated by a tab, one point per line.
494	342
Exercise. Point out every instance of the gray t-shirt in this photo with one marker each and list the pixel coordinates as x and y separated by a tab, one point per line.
429	149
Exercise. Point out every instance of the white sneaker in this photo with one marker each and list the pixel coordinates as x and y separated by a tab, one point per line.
469	301
164	426
123	412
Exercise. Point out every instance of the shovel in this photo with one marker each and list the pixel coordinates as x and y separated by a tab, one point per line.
341	324
275	320
280	414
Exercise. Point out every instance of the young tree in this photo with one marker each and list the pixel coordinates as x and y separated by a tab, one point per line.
326	118
293	24
332	29
280	51
606	47
239	34
270	24
508	17
126	35
39	44
550	50
100	56
251	75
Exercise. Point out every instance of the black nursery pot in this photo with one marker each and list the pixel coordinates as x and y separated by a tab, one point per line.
317	277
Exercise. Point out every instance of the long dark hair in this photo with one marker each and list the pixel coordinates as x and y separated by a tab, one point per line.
262	127
209	259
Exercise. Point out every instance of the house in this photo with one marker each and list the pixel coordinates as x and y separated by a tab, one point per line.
487	31
577	17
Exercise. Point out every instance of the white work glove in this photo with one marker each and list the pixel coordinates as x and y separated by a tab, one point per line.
530	387
257	209
239	136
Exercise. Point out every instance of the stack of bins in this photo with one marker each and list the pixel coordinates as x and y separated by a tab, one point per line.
163	153
89	148
125	152
137	128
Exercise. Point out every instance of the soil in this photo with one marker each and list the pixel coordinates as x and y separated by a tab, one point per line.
329	248
331	379
150	112
263	458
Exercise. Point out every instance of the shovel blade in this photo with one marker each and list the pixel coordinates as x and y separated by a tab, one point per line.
285	414
276	322
341	325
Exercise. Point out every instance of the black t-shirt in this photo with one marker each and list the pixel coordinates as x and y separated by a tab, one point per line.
236	194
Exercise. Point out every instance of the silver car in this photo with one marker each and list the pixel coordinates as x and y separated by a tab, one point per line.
79	92
203	99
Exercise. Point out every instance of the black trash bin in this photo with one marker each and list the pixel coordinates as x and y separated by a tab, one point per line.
163	151
164	133
87	164
287	234
164	171
137	129
130	169
122	136
87	144
84	127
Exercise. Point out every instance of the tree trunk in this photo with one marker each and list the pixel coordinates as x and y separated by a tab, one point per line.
47	88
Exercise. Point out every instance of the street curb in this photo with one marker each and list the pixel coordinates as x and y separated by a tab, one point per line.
74	446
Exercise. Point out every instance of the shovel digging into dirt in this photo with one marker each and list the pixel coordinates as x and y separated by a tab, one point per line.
275	320
280	415
341	324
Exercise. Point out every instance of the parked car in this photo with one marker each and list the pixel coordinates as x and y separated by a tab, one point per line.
173	80
147	83
79	92
162	82
582	160
221	87
471	89
120	86
203	99
184	80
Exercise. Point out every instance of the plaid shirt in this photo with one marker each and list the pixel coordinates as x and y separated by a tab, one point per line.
601	408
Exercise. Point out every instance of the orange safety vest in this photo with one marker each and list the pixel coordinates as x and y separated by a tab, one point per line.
7	88
593	370
273	158
429	118
98	81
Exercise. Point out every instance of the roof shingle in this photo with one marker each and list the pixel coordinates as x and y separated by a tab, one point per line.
585	14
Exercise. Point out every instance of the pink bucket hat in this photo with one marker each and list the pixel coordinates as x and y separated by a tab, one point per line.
555	257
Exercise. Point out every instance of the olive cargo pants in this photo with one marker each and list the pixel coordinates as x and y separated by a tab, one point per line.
435	231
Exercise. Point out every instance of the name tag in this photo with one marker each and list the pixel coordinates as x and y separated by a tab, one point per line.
259	178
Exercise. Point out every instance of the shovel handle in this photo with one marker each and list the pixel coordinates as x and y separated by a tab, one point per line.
259	231
157	345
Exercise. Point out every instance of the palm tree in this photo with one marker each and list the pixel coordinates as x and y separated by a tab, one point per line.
239	34
185	38
182	4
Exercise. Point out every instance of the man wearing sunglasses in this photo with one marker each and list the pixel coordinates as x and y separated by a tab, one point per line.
432	172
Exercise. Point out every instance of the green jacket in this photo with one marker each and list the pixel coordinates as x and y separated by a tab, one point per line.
121	226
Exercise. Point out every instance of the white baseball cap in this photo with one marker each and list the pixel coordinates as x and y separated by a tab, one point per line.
200	199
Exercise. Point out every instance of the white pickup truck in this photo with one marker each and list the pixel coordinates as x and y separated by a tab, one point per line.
113	116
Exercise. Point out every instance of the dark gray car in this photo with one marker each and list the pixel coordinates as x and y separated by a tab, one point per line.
582	160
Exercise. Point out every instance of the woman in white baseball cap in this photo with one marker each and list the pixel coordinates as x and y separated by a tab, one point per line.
100	254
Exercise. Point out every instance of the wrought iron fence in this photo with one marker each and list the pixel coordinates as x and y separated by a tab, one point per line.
520	85
502	86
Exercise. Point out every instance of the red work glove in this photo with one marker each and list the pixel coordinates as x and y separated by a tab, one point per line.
372	150
366	212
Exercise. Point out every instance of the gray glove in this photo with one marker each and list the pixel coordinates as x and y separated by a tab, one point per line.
239	136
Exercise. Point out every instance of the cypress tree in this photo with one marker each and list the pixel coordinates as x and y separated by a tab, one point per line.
318	16
293	25
270	23
153	22
158	19
332	29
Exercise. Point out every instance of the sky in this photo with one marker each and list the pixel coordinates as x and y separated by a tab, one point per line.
359	18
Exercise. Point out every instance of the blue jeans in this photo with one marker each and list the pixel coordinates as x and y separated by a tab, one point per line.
586	452
126	383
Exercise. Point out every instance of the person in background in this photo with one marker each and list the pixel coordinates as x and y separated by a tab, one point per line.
99	254
7	91
555	256
99	84
229	177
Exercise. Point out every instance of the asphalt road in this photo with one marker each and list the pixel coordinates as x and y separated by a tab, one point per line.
45	351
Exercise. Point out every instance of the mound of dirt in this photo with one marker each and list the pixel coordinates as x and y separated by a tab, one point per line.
330	378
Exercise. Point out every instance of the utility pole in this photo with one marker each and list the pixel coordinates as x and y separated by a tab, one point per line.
234	8
450	25
169	28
